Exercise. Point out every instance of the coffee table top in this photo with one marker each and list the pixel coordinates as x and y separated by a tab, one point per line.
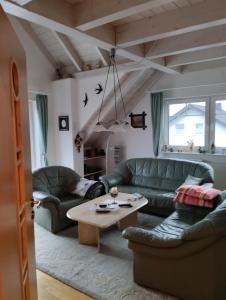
86	213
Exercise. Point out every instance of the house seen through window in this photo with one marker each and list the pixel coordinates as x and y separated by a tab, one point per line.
186	122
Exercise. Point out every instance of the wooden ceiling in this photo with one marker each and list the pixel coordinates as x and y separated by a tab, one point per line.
165	35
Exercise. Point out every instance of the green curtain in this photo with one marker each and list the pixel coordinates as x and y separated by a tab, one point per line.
42	107
156	118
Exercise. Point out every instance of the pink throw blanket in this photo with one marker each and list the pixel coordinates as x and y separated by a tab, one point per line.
196	195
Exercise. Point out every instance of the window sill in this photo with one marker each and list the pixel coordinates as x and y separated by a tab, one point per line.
192	153
204	157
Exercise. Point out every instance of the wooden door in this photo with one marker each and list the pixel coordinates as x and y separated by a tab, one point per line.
17	259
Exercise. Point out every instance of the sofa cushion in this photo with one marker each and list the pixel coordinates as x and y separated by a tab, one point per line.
69	202
193	180
156	198
175	225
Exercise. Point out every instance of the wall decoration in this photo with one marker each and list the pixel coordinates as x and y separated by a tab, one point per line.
78	142
99	89
138	120
87	67
63	123
85	101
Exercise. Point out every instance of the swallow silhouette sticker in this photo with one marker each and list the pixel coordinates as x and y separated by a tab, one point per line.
99	89
85	101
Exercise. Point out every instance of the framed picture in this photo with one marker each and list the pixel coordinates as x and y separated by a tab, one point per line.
63	123
138	120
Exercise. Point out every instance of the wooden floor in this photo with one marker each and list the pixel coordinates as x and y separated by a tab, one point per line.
51	289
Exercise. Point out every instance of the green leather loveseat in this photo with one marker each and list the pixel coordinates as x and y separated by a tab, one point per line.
53	187
184	256
157	179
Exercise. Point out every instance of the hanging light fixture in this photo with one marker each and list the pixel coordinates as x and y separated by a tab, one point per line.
118	125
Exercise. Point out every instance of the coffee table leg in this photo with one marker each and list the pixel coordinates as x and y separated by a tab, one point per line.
130	220
88	235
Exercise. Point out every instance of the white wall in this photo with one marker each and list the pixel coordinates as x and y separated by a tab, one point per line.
62	93
39	76
39	71
88	85
137	142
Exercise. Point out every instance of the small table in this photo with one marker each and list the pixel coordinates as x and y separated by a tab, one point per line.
90	222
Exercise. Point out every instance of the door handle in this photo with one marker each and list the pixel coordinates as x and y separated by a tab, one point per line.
36	203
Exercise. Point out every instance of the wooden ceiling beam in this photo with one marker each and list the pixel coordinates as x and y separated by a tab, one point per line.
94	13
193	41
70	50
60	27
196	57
188	19
205	65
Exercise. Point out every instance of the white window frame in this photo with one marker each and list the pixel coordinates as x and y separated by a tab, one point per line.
168	102
213	122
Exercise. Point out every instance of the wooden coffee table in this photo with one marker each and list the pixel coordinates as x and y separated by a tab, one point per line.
90	222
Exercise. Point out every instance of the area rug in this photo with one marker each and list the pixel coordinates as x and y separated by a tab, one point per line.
107	275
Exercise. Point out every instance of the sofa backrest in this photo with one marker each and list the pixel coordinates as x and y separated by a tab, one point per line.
159	173
55	180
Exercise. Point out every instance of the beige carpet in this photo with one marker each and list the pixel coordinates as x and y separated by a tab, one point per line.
107	275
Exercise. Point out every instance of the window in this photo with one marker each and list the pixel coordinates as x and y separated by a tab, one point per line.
201	122
199	128
220	123
179	128
35	137
184	121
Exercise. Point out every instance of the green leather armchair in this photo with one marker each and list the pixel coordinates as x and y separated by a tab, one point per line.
184	256
157	179
52	187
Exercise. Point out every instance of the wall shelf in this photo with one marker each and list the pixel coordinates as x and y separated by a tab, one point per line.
93	173
95	157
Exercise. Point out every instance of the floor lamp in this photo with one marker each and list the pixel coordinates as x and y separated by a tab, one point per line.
107	152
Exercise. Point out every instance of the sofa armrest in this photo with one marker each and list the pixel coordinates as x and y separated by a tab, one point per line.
96	190
45	199
111	180
148	238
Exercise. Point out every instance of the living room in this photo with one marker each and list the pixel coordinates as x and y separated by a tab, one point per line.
166	55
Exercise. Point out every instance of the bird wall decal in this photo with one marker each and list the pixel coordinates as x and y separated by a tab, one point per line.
99	89
85	101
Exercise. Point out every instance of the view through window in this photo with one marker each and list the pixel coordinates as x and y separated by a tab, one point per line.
220	123
187	123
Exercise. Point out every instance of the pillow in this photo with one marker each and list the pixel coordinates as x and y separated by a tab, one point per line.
191	180
197	191
82	186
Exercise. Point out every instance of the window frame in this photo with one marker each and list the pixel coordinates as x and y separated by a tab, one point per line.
213	101
168	102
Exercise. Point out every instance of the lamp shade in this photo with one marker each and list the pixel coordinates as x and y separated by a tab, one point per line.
116	127
99	127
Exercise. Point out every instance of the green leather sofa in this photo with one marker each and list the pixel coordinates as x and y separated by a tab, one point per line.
184	256
157	179
52	186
